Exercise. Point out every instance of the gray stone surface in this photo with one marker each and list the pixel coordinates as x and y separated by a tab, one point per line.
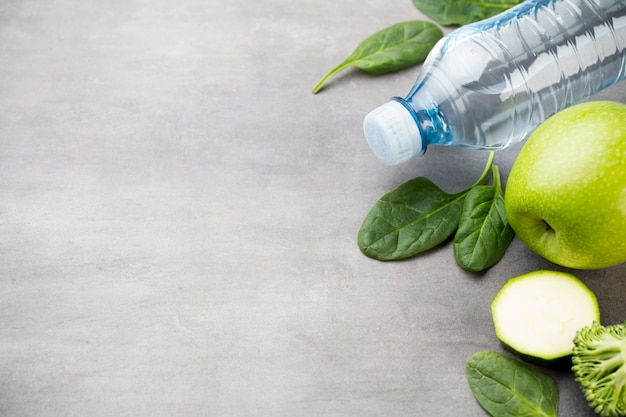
178	220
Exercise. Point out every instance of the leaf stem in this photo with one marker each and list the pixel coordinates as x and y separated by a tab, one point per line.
495	172
330	74
487	171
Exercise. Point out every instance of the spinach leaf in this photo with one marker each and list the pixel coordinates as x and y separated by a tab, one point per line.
412	218
461	12
506	387
484	233
397	47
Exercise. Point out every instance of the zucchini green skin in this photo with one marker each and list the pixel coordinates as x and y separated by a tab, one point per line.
536	316
563	363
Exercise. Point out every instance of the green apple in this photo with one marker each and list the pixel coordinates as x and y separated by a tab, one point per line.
566	192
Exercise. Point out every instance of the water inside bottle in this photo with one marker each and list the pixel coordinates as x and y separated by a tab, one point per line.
501	78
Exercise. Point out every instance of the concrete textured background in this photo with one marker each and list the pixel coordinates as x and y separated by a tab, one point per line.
178	220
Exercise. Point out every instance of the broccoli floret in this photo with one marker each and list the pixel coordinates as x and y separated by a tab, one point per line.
599	364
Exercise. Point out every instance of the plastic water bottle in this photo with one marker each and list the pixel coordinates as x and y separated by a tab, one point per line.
490	84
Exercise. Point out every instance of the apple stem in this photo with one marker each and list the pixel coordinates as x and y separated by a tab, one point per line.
547	226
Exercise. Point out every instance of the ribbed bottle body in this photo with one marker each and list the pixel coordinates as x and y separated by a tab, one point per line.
490	84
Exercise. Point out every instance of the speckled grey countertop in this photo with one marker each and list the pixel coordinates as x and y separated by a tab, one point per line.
178	220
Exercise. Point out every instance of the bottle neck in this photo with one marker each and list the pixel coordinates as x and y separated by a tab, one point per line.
416	118
428	116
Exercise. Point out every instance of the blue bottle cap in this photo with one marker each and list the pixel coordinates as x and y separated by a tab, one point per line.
392	133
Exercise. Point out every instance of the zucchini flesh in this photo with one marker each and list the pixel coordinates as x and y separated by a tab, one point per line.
537	315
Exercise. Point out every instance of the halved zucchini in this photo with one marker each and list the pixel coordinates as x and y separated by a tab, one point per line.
536	315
